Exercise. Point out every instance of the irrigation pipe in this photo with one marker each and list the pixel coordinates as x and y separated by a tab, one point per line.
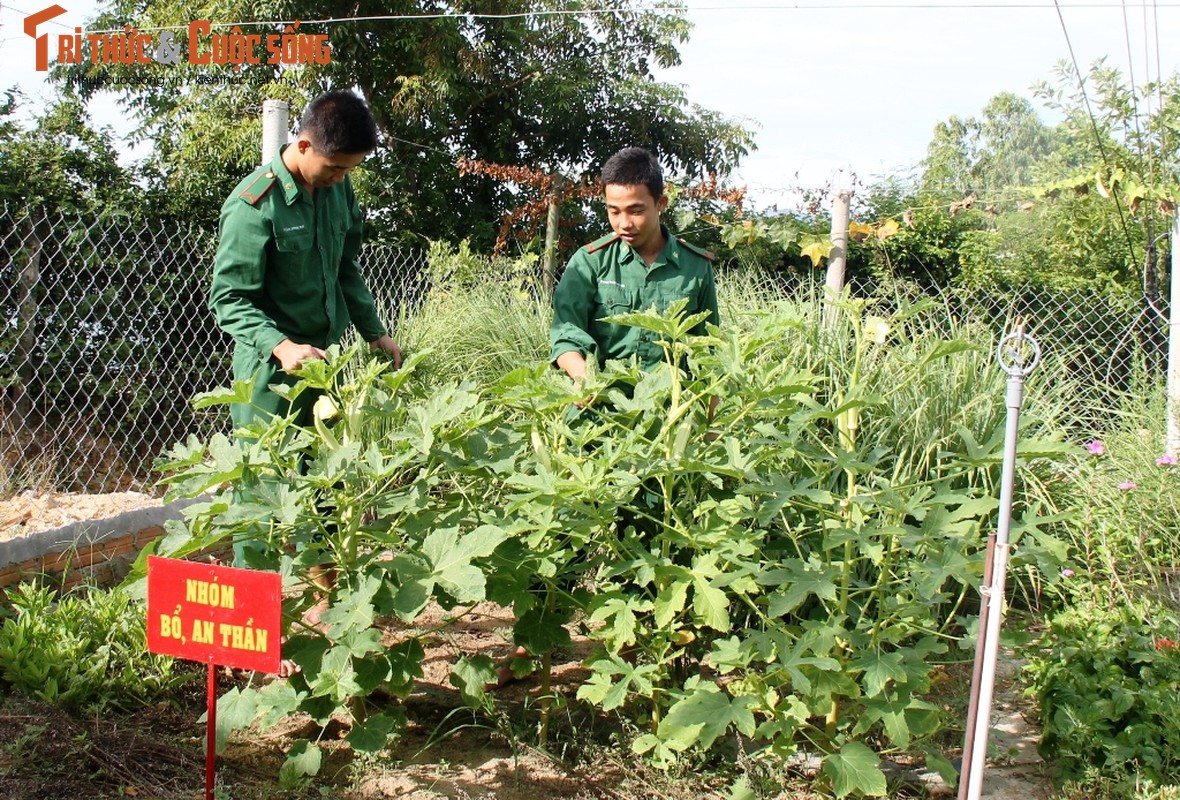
1018	354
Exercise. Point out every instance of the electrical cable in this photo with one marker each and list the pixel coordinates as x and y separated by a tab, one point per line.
1094	127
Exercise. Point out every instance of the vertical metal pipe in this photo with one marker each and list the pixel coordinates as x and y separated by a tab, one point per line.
1172	445
1018	355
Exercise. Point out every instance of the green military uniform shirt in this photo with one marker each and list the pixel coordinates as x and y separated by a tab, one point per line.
608	277
286	268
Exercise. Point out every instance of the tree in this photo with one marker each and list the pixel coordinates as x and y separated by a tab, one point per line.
998	150
556	87
1005	201
62	162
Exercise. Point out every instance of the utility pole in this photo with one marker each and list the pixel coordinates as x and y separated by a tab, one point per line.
275	125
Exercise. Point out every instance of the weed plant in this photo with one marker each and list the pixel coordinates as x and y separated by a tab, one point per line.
1125	535
1106	681
85	649
1105	672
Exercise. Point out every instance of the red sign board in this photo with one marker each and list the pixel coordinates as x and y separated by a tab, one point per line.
214	614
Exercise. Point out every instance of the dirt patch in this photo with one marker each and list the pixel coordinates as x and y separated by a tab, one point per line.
48	754
447	750
30	512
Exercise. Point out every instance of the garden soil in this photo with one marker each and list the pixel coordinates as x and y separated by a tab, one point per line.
446	751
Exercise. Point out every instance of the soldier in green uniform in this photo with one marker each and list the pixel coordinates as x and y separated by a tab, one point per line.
285	280
640	265
286	283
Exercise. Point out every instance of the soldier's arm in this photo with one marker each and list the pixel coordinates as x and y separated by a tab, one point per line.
236	293
570	341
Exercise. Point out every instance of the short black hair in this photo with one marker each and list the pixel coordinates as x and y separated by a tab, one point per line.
339	122
633	166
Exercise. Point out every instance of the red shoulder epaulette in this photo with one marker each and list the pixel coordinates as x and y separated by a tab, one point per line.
605	241
698	250
258	189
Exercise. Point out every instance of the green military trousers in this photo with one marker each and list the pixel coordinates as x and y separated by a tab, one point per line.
265	371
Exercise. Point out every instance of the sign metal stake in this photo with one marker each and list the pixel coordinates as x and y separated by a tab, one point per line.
214	615
211	733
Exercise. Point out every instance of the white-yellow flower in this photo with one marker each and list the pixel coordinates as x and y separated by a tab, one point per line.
876	329
325	408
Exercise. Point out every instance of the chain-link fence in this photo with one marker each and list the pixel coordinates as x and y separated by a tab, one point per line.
105	336
1107	342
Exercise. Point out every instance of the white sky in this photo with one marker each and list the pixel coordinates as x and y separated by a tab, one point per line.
830	86
859	86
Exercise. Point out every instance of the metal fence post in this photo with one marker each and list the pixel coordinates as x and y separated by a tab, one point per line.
275	125
1172	445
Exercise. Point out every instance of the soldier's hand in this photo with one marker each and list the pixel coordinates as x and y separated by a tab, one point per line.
291	355
387	344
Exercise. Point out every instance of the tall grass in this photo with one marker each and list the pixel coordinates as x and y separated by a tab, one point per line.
481	319
1126	531
480	330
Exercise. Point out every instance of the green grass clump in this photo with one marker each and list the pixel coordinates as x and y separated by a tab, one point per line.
85	649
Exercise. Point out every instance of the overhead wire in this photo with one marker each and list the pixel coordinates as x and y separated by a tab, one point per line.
1094	127
631	8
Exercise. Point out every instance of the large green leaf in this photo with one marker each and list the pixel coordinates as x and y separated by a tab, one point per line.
710	605
303	761
670	602
405	666
336	678
471	676
352	610
613	679
241	392
450	555
799	580
276	700
855	768
703	716
879	669
539	630
618	612
236	709
372	734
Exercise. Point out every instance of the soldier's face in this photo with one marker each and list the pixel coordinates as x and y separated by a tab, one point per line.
321	171
635	215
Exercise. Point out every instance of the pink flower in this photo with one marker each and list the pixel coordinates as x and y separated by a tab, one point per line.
1067	573
1127	486
1096	447
1166	460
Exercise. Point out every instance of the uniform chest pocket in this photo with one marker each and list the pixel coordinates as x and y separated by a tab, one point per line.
679	289
293	242
614	299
